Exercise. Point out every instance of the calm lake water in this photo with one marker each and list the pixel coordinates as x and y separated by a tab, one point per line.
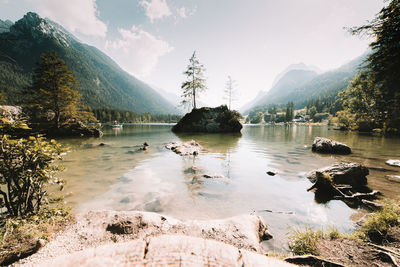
119	177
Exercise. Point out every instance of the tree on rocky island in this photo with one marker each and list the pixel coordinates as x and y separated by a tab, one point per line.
55	91
230	91
195	82
378	83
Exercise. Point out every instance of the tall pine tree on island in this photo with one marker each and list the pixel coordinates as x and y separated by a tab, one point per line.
55	91
230	91
195	82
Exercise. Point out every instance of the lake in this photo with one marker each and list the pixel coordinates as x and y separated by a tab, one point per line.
119	176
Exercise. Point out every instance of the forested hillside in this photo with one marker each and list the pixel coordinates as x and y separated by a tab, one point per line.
103	84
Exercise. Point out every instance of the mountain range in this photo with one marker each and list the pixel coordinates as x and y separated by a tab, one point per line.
300	84
103	84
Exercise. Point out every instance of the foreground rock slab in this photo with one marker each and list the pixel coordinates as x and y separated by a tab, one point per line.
329	146
166	250
98	228
185	148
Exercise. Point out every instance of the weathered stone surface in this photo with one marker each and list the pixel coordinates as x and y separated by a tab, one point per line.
353	174
98	228
393	162
185	148
165	250
210	120
326	145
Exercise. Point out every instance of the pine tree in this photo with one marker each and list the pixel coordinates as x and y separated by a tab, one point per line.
195	82
230	91
382	73
55	90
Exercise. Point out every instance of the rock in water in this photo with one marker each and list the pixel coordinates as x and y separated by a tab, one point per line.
326	145
353	174
210	120
393	162
185	148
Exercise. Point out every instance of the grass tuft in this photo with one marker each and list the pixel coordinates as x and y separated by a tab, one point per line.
334	233
377	224
303	242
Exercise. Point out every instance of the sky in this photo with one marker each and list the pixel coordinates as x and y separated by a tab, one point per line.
250	40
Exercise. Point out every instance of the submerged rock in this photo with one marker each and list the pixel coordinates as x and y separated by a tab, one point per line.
326	145
393	162
185	148
208	177
393	178
210	120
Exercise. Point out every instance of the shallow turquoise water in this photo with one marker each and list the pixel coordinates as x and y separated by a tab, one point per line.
119	177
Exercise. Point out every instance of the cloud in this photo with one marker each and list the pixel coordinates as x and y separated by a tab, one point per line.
75	15
182	12
156	9
137	51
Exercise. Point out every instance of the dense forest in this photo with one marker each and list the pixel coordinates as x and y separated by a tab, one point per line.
108	115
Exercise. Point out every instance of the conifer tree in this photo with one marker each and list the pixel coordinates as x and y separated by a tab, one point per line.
55	90
380	79
230	91
195	82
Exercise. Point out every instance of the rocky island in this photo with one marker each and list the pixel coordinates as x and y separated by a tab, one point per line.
210	120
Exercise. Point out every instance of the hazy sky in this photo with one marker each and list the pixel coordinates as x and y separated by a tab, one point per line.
251	40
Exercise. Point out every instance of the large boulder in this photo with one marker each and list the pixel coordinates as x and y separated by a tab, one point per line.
349	173
326	145
344	181
166	250
98	228
210	120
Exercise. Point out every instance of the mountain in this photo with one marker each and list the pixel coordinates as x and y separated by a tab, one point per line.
103	84
286	84
298	66
300	86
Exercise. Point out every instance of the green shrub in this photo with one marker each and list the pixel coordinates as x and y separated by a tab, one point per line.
26	166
